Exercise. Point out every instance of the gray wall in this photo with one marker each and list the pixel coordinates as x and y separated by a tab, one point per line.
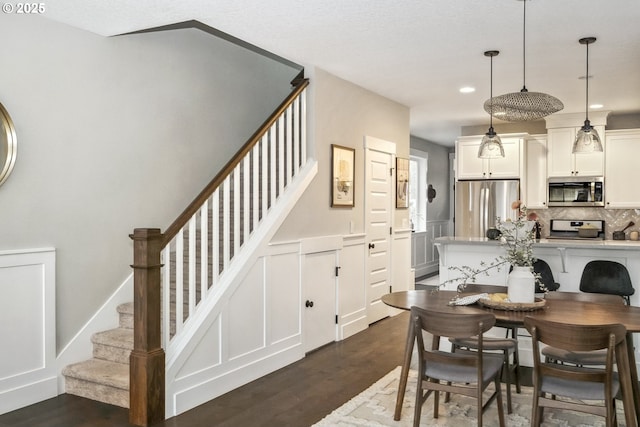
343	114
117	133
437	175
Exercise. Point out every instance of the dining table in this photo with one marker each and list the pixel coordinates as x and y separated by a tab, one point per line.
565	311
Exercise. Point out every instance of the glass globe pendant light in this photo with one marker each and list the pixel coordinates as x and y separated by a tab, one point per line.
587	139
491	145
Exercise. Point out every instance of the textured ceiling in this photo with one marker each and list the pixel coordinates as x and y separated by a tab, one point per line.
418	52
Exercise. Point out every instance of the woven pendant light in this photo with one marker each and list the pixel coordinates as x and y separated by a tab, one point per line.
523	106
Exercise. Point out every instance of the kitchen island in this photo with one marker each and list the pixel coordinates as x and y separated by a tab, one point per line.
566	258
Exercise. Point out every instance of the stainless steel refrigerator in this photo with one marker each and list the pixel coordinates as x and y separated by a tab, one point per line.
480	203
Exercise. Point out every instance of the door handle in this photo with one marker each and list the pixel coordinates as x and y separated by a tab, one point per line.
308	304
372	245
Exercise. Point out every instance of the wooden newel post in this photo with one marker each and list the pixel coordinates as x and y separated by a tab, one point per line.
147	372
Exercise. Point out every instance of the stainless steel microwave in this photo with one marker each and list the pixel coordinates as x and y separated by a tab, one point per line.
576	191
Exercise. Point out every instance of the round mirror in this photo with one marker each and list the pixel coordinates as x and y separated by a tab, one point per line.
8	144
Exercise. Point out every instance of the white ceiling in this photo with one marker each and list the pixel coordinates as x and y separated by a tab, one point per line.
418	52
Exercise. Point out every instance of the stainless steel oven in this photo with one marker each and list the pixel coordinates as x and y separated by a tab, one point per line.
574	191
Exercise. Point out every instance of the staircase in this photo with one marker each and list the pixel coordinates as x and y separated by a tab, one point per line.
105	377
196	260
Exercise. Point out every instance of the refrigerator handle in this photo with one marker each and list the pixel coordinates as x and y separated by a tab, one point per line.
485	208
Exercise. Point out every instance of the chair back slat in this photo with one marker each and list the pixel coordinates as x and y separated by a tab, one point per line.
453	325
575	337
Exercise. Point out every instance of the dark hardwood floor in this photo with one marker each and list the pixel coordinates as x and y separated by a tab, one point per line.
297	395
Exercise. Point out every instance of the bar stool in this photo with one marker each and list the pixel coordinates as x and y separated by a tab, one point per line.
607	277
546	276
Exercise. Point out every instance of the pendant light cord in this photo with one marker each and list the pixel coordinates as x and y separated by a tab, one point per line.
491	94
524	56
586	107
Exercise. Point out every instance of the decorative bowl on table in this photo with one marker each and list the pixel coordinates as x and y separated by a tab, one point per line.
500	302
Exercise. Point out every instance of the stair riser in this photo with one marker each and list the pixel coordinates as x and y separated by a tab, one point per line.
113	354
126	320
99	392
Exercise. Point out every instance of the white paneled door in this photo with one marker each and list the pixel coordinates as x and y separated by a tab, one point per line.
319	278
378	216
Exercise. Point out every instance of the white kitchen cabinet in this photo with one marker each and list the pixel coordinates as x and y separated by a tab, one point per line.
469	166
534	181
562	163
622	169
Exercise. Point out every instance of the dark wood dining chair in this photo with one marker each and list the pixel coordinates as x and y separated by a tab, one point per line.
571	387
507	347
459	373
579	358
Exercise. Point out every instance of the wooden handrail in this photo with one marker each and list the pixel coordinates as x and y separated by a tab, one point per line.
193	207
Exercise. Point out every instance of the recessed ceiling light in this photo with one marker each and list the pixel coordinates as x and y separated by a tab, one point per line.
467	89
596	106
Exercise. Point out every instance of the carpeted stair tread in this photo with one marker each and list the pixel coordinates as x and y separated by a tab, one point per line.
99	380
100	371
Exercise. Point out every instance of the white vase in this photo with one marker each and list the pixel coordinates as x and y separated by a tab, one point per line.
521	285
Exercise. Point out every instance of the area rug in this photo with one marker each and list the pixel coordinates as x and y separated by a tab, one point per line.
375	406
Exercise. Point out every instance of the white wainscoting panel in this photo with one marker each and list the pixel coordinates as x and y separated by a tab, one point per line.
401	263
244	328
424	256
284	295
28	328
352	304
257	330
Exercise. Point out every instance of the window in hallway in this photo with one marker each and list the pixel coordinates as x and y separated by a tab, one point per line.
418	190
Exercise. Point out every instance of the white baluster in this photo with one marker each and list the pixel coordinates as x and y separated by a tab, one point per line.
296	136
204	249
303	127
225	224
288	143
215	237
236	210
179	279
246	202
281	147
272	156
192	264
166	296
256	184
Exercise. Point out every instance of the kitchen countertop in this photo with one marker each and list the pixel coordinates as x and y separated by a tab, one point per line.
550	243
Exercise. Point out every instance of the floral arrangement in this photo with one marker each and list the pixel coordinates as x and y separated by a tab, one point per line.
517	237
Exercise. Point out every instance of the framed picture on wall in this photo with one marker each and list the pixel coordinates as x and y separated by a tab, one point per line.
402	183
342	174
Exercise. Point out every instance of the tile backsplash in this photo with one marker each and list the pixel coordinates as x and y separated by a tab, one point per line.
614	219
